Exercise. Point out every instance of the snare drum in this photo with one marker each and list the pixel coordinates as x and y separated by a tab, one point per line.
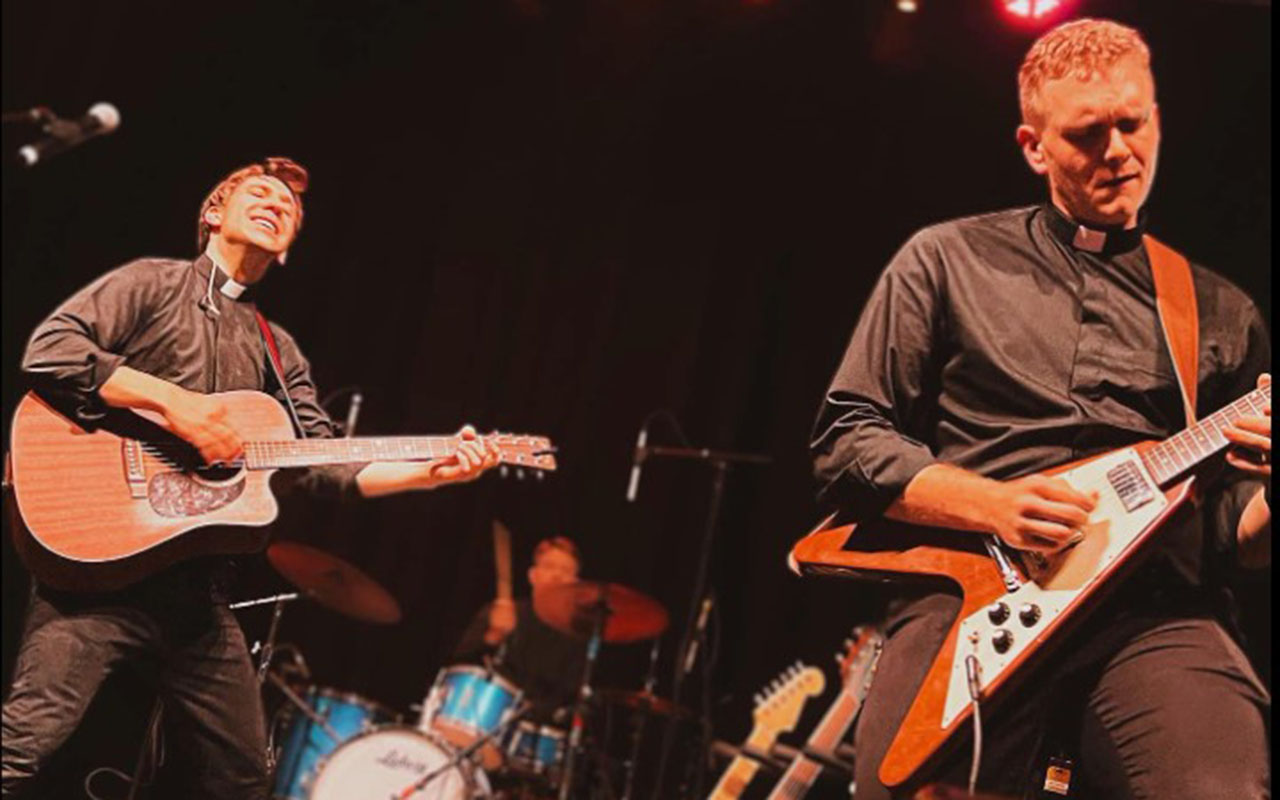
387	761
467	702
536	750
306	742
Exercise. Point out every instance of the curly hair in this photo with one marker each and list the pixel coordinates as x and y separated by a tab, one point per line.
285	170
1081	48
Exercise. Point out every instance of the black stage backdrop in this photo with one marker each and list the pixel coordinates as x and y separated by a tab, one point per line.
557	216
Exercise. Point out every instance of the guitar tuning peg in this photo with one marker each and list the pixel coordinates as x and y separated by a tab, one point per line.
504	471
758	698
848	642
519	473
539	475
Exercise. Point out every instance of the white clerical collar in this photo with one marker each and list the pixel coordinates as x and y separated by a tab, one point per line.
1089	239
230	287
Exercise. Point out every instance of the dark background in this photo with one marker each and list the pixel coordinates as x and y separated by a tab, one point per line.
556	216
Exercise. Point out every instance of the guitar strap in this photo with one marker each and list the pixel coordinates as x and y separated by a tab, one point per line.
277	367
1176	303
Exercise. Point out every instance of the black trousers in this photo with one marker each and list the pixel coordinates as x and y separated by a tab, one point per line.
212	704
1153	706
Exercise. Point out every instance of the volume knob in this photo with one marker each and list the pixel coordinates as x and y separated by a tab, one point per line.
998	613
1002	640
1029	614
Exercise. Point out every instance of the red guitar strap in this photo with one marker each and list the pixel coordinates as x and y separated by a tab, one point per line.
277	367
1176	302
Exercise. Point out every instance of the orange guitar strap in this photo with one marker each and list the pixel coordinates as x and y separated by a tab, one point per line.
1176	302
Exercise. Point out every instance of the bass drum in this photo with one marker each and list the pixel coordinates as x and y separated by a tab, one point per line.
385	762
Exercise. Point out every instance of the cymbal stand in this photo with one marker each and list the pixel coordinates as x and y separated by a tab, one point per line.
638	725
265	649
584	693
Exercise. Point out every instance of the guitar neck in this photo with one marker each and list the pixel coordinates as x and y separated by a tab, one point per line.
1185	450
314	452
803	771
742	769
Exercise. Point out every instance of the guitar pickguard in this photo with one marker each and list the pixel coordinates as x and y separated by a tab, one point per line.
1129	501
177	494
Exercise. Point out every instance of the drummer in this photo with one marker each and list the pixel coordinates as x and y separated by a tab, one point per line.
543	662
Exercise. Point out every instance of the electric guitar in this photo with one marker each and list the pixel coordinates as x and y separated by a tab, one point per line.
99	509
1016	604
777	710
857	666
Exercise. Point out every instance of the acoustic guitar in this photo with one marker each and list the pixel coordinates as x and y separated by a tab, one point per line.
100	509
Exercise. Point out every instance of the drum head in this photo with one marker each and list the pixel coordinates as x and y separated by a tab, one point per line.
385	762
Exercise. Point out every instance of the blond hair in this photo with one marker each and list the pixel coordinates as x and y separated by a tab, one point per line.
286	170
1080	49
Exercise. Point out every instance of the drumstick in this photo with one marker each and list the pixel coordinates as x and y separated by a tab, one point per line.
502	558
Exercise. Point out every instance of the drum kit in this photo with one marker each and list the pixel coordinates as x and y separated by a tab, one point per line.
471	738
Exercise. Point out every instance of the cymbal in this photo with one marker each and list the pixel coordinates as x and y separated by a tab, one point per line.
571	608
642	701
333	583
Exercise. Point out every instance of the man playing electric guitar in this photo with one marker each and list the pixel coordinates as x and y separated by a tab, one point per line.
161	335
997	347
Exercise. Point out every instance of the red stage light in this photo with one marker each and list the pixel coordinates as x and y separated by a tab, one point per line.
1031	9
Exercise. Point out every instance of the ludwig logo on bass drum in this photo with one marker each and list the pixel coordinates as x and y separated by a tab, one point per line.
394	759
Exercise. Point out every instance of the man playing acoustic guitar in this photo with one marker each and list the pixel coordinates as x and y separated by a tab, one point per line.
997	347
161	336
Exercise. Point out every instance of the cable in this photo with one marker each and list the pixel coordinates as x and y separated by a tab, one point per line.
973	670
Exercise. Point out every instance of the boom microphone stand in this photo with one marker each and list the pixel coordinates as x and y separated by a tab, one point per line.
720	461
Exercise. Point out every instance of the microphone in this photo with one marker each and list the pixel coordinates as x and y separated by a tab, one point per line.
692	652
353	411
636	461
64	134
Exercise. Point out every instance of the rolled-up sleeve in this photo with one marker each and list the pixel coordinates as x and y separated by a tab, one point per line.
77	348
868	441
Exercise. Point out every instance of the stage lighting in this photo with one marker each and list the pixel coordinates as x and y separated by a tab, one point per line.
1031	9
908	6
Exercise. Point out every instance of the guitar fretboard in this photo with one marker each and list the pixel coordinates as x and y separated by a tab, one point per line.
1184	450
310	452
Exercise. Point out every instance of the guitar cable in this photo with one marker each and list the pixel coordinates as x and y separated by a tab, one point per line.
973	672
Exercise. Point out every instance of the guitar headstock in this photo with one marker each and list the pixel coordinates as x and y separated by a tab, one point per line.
858	659
779	707
519	452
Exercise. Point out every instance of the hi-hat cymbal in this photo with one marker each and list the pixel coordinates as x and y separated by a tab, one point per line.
334	583
642	701
630	615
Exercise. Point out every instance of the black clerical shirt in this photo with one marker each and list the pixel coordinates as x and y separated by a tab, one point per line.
167	318
996	344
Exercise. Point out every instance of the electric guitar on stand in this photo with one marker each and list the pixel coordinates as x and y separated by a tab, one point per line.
106	507
777	711
857	666
1017	605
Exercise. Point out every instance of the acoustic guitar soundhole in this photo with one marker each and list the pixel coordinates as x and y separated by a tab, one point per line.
177	494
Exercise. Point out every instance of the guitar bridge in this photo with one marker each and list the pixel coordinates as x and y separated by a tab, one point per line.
1130	485
134	472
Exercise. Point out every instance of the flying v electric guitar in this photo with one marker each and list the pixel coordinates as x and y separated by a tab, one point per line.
1016	606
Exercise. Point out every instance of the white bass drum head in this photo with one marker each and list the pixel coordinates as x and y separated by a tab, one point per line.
383	763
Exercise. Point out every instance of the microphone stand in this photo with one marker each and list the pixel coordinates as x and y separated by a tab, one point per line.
720	460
